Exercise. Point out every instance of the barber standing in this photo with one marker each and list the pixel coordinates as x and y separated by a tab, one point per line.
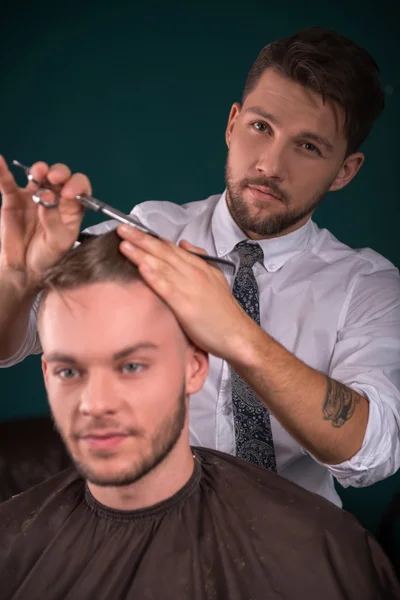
305	336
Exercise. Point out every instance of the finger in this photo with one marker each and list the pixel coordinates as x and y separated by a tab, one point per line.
158	274
169	274
190	248
63	222
145	241
13	195
61	229
77	185
142	258
164	249
38	172
177	288
58	174
8	185
7	181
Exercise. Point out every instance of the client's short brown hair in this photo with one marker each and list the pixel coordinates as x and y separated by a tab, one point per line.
95	260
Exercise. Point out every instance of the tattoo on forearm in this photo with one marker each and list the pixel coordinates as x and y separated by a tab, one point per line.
340	403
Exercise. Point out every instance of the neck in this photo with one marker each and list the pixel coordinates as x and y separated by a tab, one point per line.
162	482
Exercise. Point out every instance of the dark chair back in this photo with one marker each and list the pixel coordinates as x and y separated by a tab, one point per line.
31	450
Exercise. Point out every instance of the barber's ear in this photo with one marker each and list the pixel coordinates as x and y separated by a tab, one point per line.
196	369
233	115
349	170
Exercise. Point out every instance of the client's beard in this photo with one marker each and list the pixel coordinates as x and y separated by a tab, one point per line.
163	441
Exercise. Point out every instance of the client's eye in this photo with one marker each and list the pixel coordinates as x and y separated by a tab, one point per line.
67	373
131	368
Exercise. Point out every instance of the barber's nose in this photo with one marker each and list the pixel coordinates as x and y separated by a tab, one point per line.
272	161
99	395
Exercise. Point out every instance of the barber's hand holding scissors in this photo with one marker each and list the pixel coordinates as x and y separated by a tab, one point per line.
32	237
196	291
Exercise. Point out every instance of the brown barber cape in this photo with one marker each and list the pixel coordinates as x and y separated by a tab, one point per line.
234	532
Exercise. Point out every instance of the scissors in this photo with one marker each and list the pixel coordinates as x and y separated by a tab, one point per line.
47	189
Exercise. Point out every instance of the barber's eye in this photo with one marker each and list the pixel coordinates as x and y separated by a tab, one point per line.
260	126
311	147
67	373
131	368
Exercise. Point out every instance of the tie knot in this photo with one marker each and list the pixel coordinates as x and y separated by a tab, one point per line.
249	253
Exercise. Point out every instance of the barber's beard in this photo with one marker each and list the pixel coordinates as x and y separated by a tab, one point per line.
266	223
162	442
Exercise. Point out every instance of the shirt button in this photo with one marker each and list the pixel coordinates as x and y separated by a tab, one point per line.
221	250
226	410
272	267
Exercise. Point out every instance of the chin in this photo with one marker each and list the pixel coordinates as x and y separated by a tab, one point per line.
103	471
108	477
265	215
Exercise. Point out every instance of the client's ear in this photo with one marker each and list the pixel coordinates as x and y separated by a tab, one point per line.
196	369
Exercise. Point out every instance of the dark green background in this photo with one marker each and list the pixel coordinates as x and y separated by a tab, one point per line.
137	95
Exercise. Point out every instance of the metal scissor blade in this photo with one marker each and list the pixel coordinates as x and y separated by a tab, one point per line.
132	220
114	213
99	206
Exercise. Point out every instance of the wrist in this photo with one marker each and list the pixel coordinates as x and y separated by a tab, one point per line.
18	281
246	344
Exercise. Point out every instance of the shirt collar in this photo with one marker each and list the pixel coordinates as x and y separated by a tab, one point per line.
277	251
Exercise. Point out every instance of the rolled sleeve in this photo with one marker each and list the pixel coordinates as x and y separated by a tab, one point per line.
31	343
367	359
379	455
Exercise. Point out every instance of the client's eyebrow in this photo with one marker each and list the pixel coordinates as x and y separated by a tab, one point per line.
133	349
71	360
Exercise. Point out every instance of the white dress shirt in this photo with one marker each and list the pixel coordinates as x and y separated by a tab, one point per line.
337	309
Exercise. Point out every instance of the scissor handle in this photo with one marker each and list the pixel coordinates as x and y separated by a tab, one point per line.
43	187
37	197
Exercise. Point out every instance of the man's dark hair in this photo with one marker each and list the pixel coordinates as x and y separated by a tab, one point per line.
333	66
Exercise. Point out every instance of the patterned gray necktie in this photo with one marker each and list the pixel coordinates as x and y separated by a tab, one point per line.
253	434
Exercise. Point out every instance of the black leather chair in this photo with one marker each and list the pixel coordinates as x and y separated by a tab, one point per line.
31	450
389	531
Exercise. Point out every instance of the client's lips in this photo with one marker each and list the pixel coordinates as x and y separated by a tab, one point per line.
104	440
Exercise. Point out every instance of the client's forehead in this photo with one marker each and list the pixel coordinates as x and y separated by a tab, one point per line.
105	317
